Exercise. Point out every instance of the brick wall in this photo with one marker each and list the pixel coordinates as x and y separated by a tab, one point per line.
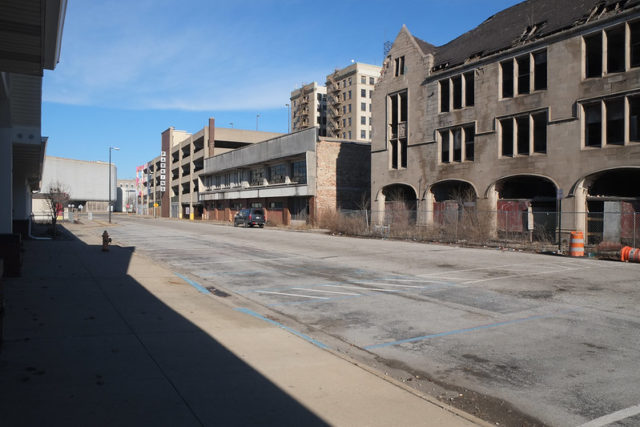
343	175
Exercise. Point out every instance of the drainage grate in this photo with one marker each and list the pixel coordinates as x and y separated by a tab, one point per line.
217	292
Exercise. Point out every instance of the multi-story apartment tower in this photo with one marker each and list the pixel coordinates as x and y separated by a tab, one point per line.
537	106
309	108
349	93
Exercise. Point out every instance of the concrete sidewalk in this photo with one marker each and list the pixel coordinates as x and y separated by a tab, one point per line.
95	338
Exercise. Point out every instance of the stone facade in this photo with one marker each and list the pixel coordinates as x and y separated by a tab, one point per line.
524	121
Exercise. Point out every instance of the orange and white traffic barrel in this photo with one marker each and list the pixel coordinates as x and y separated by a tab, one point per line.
576	244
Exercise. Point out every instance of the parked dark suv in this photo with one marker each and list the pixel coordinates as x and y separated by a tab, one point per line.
249	217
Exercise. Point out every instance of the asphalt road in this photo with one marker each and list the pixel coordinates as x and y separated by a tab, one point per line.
509	336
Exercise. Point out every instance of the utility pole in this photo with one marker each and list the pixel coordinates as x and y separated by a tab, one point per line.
109	206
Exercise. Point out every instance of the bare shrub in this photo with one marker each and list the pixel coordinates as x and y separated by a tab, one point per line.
56	197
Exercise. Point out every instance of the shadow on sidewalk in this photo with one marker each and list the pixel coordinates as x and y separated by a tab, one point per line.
86	344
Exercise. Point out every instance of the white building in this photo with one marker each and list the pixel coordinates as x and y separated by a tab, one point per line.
87	183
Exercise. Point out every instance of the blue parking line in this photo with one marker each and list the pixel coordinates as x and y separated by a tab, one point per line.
461	331
199	287
280	325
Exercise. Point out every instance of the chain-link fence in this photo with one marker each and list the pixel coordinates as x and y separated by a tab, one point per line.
528	227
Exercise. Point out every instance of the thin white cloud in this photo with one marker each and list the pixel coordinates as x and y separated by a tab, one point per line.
142	59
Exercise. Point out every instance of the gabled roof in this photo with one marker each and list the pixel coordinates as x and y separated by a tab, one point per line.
425	47
520	24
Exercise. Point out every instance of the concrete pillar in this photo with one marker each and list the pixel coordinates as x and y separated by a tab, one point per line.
6	181
429	200
580	209
488	212
377	207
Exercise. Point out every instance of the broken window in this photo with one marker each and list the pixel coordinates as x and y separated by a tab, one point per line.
444	96
507	137
540	133
394	154
457	92
592	125
457	145
615	121
523	135
507	78
469	148
444	146
593	55
634	118
399	66
615	50
469	89
540	70
397	122
523	74
469	136
634	30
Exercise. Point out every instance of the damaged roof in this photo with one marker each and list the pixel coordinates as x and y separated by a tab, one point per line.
520	24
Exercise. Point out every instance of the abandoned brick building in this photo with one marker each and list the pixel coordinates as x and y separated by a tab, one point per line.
537	105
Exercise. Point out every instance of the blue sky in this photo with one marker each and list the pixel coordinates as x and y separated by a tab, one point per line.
131	69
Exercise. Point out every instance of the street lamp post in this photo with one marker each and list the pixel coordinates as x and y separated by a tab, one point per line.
109	206
257	117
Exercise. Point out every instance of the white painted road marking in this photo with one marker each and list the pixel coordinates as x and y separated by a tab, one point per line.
390	284
360	288
291	295
327	292
613	417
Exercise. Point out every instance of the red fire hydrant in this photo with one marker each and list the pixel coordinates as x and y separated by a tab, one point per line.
105	241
